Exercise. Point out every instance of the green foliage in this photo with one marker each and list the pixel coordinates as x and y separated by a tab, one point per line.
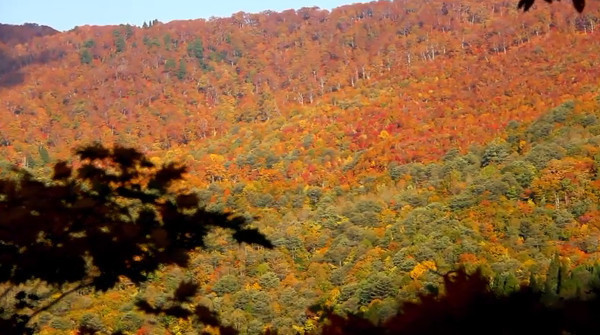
496	152
181	71
505	284
30	163
541	154
257	303
560	113
196	50
413	198
119	41
129	31
89	43
395	171
364	213
61	324
91	321
120	44
167	41
129	322
314	195
170	65
150	42
44	155
227	284
261	200
269	280
85	56
522	172
377	286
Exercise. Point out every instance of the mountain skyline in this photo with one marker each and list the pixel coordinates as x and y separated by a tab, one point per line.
64	15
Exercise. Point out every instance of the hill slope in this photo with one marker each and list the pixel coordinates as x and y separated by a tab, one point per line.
374	142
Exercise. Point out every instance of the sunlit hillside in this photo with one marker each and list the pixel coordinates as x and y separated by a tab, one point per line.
376	145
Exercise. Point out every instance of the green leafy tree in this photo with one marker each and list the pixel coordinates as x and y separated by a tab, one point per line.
44	155
377	286
196	50
167	41
181	71
227	284
119	41
170	65
89	43
85	57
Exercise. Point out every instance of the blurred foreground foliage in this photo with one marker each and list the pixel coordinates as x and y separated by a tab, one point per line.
111	219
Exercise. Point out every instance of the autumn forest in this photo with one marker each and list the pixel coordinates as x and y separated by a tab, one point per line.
377	146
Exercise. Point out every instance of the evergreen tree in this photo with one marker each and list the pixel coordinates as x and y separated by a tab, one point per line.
85	57
44	154
552	285
167	41
182	71
170	65
89	43
120	44
196	50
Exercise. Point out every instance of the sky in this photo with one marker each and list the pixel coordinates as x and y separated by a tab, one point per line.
66	14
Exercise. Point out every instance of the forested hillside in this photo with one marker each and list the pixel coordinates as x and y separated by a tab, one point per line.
377	146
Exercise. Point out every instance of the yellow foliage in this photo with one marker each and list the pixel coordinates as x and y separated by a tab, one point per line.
176	329
299	329
211	330
254	286
389	262
529	263
156	160
498	250
216	158
310	325
333	297
276	307
430	265
421	268
46	330
384	134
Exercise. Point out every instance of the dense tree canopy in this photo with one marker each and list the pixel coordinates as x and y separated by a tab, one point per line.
113	219
377	144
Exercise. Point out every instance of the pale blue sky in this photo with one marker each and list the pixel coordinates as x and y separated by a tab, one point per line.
66	14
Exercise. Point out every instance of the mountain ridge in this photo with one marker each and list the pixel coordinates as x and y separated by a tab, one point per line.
11	34
376	145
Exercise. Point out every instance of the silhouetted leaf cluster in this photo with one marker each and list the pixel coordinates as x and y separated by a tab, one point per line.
469	306
112	217
526	4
